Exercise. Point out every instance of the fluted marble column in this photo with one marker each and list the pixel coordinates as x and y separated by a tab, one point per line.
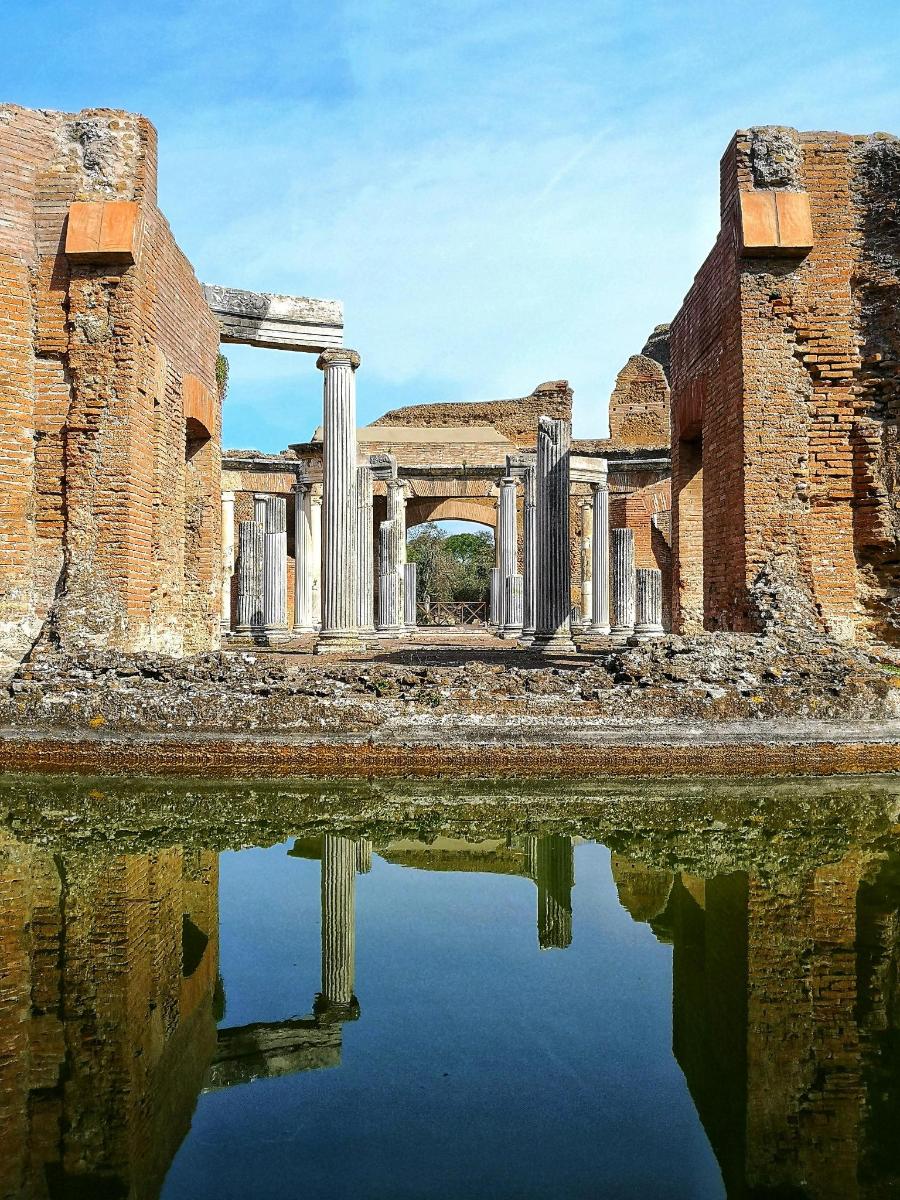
513	601
623	583
409	595
554	578
508	555
340	858
275	570
529	531
364	566
390	611
303	620
340	622
315	530
600	564
227	558
496	583
260	500
648	604
251	537
396	512
587	581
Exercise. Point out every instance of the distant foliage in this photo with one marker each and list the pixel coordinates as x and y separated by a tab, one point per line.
451	568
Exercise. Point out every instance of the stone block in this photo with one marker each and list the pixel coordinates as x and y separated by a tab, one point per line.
103	231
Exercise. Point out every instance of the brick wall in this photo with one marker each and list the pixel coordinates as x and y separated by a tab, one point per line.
639	405
784	393
109	527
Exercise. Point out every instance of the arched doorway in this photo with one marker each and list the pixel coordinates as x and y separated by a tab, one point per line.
454	554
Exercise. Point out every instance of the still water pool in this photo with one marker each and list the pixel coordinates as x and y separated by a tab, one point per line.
705	1006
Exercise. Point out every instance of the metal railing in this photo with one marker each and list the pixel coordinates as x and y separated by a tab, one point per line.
453	612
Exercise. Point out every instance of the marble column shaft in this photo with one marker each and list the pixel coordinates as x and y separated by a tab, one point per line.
513	602
251	537
396	512
496	606
260	500
303	619
409	595
275	567
340	857
315	529
508	549
390	613
587	580
340	623
648	603
554	579
600	561
623	582
364	568
227	558
529	531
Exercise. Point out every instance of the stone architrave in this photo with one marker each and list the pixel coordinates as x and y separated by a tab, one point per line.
529	531
365	568
340	620
315	530
648	604
587	529
227	558
275	569
623	583
409	595
600	564
251	537
390	616
303	619
553	631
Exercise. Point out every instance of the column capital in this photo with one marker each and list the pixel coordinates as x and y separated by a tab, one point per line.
339	356
228	497
315	495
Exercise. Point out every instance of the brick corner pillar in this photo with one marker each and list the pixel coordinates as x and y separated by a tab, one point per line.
623	583
228	557
529	541
303	566
553	633
340	620
600	561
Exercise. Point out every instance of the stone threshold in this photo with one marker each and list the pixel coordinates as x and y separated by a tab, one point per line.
723	750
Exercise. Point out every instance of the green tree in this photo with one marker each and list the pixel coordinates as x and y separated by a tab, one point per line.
451	568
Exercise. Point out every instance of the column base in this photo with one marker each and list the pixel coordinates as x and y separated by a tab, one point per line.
302	630
591	631
648	633
554	643
275	633
338	640
510	632
621	633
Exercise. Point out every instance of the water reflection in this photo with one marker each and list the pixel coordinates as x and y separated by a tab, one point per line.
785	995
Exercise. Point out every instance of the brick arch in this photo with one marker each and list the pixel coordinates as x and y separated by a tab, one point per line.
450	508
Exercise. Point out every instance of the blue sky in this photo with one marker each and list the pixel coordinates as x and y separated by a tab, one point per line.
500	193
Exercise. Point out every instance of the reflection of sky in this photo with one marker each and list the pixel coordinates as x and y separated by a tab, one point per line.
480	1065
501	193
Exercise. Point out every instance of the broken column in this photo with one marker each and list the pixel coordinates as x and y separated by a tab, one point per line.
227	558
303	619
623	583
529	531
648	604
508	556
553	625
409	595
587	525
340	857
390	613
275	569
513	604
340	622
250	577
496	582
315	530
364	568
600	561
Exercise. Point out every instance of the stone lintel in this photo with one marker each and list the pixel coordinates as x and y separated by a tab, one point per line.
276	322
587	470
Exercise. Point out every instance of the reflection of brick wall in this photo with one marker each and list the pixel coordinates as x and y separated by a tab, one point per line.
93	359
783	432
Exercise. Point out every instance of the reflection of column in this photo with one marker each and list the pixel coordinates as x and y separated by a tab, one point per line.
648	603
529	530
623	582
315	534
340	625
364	855
600	565
303	620
227	557
409	595
340	856
365	576
587	528
250	576
275	569
554	588
508	555
555	878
